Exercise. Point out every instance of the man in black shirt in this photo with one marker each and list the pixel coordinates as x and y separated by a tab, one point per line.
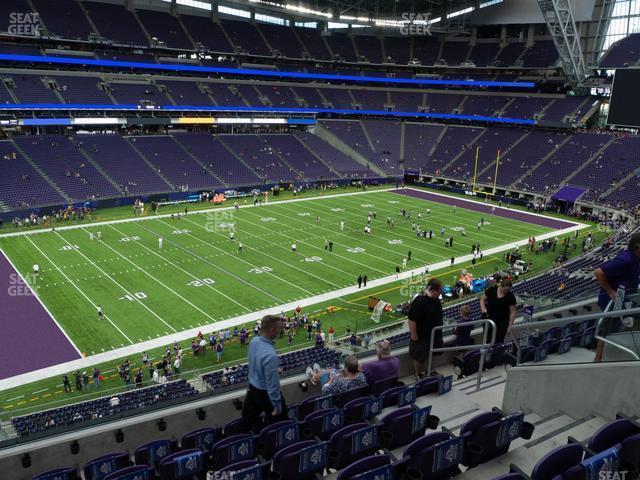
498	303
425	313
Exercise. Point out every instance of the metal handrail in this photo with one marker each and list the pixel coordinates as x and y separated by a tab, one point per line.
602	339
482	347
515	329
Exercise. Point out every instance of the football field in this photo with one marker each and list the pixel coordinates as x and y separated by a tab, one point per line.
200	277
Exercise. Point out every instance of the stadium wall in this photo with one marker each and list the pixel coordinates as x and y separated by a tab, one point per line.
587	389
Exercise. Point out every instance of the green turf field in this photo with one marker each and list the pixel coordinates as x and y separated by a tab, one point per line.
199	277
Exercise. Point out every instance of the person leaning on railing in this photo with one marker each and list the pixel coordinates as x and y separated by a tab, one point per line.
623	270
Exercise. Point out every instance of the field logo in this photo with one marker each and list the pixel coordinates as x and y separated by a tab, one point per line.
268	219
19	287
337	209
304	214
367	205
393	202
219	221
457	229
414	24
395	242
356	250
24	23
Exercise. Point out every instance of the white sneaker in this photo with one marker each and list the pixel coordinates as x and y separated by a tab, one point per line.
310	373
316	368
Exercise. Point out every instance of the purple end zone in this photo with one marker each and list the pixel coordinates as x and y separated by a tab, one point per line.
30	338
480	207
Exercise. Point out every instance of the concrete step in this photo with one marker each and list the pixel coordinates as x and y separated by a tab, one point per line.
527	454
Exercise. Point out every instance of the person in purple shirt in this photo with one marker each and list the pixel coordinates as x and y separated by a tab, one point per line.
384	367
622	271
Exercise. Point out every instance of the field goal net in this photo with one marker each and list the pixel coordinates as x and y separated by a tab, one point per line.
378	309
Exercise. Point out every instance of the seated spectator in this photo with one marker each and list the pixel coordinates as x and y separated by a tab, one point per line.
463	334
333	382
114	401
384	367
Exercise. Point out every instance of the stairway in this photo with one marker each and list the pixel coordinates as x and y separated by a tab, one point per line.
462	151
338	144
587	162
148	162
99	169
196	159
35	166
320	159
491	166
541	161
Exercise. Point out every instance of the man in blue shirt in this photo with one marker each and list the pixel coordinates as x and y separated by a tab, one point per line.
622	270
263	395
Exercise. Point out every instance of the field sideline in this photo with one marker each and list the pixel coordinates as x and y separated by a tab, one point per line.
199	278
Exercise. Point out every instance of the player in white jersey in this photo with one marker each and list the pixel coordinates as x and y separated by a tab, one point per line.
404	263
294	247
342	226
160	240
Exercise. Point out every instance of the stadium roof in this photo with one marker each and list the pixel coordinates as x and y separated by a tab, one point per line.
382	13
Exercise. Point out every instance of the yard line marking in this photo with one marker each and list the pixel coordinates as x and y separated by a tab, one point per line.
15	398
139	242
463	214
39	391
43	305
190	252
279	260
317	248
270	274
195	212
396	231
136	299
160	283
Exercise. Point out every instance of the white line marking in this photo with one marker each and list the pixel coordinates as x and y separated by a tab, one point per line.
79	290
41	302
118	284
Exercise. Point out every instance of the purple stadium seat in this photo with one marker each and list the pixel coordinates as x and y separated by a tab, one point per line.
233	449
623	434
422	456
352	443
362	408
426	386
99	468
136	472
383	385
183	465
343	398
296	460
364	465
277	436
489	435
555	463
202	439
58	474
314	403
151	453
322	423
403	426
